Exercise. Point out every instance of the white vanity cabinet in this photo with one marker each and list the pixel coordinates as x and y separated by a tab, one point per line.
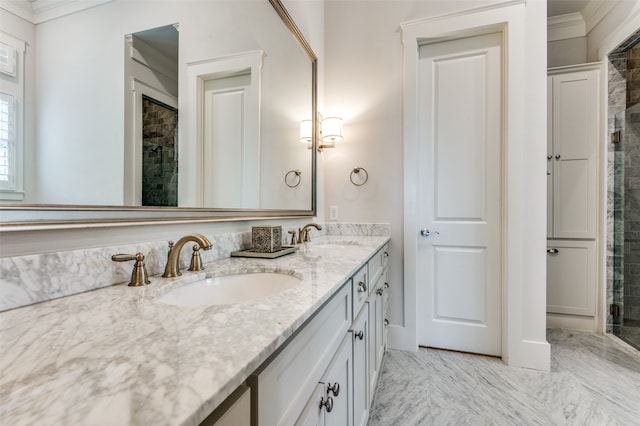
326	374
572	190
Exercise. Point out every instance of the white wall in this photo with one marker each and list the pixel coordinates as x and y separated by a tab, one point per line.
567	52
364	77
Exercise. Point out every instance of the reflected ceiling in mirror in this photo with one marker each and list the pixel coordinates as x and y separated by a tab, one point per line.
237	118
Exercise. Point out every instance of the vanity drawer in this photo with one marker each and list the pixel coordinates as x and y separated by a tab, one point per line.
286	383
360	285
377	264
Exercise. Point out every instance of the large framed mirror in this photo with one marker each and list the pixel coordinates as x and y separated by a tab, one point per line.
156	110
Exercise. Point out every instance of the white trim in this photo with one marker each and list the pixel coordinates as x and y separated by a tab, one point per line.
575	322
621	33
39	11
510	17
580	67
535	355
561	27
461	13
595	11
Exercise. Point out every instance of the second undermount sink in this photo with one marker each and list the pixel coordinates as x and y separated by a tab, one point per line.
230	289
335	244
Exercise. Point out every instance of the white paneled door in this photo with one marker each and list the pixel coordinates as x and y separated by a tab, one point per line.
460	194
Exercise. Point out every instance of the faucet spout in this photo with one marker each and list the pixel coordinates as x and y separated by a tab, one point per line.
172	268
304	232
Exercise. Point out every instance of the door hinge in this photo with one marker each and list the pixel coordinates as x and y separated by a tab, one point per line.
615	137
614	310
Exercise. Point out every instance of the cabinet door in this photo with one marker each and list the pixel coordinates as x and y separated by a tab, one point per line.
361	347
374	326
549	157
340	371
313	412
575	133
380	327
571	277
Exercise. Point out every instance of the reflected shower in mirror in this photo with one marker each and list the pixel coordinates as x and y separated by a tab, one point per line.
151	154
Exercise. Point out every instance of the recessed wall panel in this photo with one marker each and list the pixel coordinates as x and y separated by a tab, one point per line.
460	137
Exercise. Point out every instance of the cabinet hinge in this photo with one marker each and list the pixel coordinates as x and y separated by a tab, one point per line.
614	310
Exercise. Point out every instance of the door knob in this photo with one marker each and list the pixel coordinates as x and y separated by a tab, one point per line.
425	232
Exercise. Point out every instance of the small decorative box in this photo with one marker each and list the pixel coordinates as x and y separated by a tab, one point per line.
267	238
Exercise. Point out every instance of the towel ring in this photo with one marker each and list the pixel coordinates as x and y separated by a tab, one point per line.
288	177
356	171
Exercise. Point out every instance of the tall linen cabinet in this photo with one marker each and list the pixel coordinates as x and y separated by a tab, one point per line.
572	189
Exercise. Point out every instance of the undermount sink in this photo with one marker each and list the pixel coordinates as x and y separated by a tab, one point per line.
228	289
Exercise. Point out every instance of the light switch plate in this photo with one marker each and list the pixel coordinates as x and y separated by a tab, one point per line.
333	212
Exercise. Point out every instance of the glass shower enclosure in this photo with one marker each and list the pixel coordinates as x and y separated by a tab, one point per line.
626	215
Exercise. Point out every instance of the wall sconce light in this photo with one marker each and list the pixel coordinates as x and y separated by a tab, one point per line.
306	130
330	132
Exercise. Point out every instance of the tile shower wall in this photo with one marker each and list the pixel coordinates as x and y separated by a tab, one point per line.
25	280
159	156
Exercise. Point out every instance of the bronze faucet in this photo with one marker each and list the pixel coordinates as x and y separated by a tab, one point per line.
172	269
304	232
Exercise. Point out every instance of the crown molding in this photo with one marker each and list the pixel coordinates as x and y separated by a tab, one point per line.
38	11
578	24
561	27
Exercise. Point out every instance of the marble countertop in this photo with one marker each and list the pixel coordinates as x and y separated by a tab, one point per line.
118	356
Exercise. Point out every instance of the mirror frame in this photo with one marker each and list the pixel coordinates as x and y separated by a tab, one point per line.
22	217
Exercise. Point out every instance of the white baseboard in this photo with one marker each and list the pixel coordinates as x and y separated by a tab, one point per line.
401	338
536	355
573	322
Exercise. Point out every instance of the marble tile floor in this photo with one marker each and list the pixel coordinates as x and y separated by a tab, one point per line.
594	380
630	333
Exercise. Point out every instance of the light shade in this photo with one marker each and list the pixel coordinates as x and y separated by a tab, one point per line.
332	130
306	130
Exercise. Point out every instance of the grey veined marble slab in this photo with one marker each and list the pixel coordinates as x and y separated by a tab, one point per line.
118	356
594	381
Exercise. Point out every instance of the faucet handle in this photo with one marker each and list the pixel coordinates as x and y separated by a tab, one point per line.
196	260
139	276
294	240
